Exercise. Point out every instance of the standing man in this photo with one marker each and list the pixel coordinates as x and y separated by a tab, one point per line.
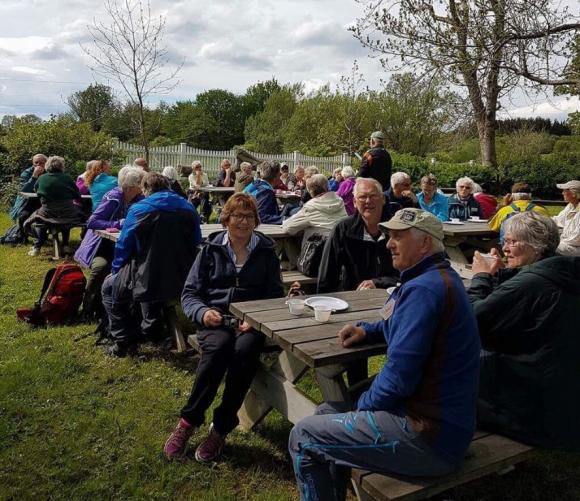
376	162
418	416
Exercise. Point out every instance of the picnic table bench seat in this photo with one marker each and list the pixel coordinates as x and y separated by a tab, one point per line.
487	454
54	230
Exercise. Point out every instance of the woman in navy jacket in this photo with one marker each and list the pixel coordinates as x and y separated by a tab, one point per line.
238	264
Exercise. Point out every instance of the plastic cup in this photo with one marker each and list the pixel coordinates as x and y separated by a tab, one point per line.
474	218
322	313
296	306
455	220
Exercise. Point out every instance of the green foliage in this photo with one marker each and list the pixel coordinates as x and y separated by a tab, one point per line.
185	122
57	136
94	105
227	113
8	191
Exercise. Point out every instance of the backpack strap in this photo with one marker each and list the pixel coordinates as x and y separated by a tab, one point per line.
514	207
47	279
530	207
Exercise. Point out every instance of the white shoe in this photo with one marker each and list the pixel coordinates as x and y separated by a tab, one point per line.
34	251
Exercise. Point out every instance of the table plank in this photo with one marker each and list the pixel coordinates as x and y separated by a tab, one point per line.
330	351
467	229
28	195
217	189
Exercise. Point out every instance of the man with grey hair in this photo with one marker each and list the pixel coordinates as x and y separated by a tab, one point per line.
261	189
355	254
400	194
376	162
245	177
418	416
569	219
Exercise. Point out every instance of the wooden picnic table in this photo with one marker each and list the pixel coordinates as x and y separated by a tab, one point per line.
477	234
287	196
305	344
217	190
28	196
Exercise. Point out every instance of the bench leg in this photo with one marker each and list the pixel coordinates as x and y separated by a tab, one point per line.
173	324
56	243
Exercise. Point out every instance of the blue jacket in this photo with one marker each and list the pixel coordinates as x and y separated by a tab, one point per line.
432	370
439	205
27	183
102	184
214	283
267	204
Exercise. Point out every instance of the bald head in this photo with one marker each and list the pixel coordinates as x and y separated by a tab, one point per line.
142	164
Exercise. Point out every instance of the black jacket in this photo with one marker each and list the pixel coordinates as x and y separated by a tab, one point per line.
530	379
377	163
214	283
464	209
348	259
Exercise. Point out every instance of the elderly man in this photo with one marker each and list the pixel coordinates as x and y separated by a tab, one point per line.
355	254
152	258
376	162
399	194
245	177
317	216
418	416
261	189
142	164
462	204
569	219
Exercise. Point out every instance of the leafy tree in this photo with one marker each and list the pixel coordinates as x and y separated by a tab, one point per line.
10	120
93	105
186	122
487	47
227	113
257	95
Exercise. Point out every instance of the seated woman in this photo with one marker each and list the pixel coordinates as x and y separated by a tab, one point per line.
431	200
200	200
170	173
487	201
238	264
81	180
96	253
569	219
335	180
527	313
245	177
57	191
462	205
345	190
99	180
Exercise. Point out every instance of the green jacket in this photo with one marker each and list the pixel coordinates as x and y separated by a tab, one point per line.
55	187
530	373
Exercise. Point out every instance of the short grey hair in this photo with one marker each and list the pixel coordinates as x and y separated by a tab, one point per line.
310	171
130	176
360	180
477	188
170	172
269	170
399	177
465	180
347	171
195	163
54	164
535	230
317	185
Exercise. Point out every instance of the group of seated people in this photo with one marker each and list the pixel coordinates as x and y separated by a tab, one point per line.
419	414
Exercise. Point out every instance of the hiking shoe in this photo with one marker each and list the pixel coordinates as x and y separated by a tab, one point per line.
177	442
34	251
211	448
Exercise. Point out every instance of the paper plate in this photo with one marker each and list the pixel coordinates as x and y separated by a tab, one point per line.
332	302
456	223
478	220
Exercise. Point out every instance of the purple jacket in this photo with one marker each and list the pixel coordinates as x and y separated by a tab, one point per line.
110	213
345	191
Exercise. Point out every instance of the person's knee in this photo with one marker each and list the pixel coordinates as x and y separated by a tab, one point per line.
217	342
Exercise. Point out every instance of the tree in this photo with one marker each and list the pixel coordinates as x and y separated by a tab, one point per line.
186	122
486	46
129	50
93	105
227	113
257	95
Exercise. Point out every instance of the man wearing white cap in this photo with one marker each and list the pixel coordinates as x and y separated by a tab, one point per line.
569	220
418	416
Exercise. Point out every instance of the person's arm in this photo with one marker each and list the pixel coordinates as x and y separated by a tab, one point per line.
275	286
442	208
268	209
296	223
27	183
127	243
102	217
330	265
495	222
194	296
386	281
365	165
570	239
411	330
560	219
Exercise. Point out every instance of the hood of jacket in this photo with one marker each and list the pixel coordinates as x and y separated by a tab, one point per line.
165	200
563	271
329	203
257	187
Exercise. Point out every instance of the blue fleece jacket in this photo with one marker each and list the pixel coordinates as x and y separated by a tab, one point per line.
266	199
439	205
165	200
432	370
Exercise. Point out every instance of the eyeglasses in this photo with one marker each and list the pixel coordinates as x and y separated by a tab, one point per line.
464	187
362	198
238	218
510	242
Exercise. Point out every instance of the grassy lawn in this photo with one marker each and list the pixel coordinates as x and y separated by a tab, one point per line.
76	424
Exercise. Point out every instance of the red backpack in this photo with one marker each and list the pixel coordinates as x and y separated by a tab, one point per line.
60	298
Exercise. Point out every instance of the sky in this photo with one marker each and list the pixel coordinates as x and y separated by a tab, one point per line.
225	44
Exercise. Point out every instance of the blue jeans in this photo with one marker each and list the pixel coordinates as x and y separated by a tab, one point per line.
325	446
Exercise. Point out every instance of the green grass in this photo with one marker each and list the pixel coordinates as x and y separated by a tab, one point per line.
76	424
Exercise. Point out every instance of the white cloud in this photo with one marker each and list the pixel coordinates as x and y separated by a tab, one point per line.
554	109
30	71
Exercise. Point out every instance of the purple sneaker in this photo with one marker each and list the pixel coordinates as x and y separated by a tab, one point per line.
211	448
177	441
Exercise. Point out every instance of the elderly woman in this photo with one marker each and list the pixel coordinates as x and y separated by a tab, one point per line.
200	200
96	253
57	192
99	180
296	181
170	173
226	177
527	313
81	179
245	177
345	191
237	264
431	200
335	180
462	204
569	219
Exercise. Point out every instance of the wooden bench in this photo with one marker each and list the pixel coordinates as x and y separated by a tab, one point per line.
487	454
289	277
54	231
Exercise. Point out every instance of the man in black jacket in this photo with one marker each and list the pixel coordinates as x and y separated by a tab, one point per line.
355	254
376	162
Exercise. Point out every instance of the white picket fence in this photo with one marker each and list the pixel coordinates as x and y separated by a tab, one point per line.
182	154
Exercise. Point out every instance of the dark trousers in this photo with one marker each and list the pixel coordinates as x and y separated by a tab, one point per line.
223	351
92	300
202	203
131	322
